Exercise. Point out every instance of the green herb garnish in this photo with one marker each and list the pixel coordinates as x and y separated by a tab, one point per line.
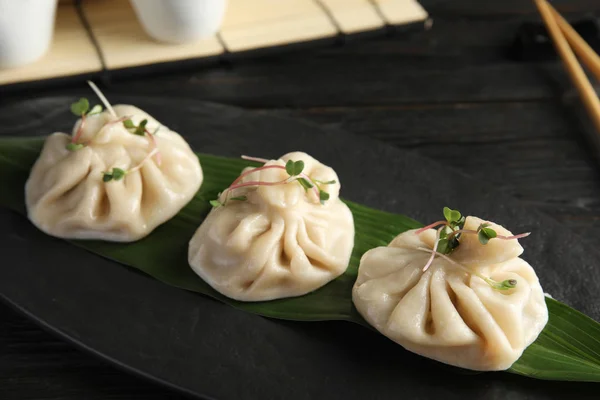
81	108
485	234
115	175
504	285
450	232
294	168
448	239
217	203
332	182
128	124
452	216
74	146
323	196
305	183
295	171
139	130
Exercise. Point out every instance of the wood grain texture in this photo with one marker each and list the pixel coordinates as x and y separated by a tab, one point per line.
483	9
446	64
122	42
534	151
401	11
276	24
34	365
354	15
366	78
450	93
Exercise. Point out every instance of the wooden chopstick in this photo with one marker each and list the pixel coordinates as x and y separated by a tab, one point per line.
589	57
578	76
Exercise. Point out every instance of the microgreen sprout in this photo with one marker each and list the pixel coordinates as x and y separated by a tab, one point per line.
305	183
485	234
449	233
331	182
217	203
323	196
141	130
116	174
255	159
81	108
504	285
452	216
102	98
295	171
448	239
74	146
294	168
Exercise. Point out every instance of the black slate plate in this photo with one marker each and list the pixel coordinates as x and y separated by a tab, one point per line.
210	350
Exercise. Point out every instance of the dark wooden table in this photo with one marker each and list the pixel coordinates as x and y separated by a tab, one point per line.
450	93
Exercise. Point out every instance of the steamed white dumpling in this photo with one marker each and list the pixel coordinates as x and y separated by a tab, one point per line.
448	313
279	242
67	197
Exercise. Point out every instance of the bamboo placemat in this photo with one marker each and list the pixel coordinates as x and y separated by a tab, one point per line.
100	36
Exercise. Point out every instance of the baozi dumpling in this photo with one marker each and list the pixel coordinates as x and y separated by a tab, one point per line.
276	240
68	194
449	312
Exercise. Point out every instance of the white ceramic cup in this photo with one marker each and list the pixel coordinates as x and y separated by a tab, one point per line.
26	29
180	21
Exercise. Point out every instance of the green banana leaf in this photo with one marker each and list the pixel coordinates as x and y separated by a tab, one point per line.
567	349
